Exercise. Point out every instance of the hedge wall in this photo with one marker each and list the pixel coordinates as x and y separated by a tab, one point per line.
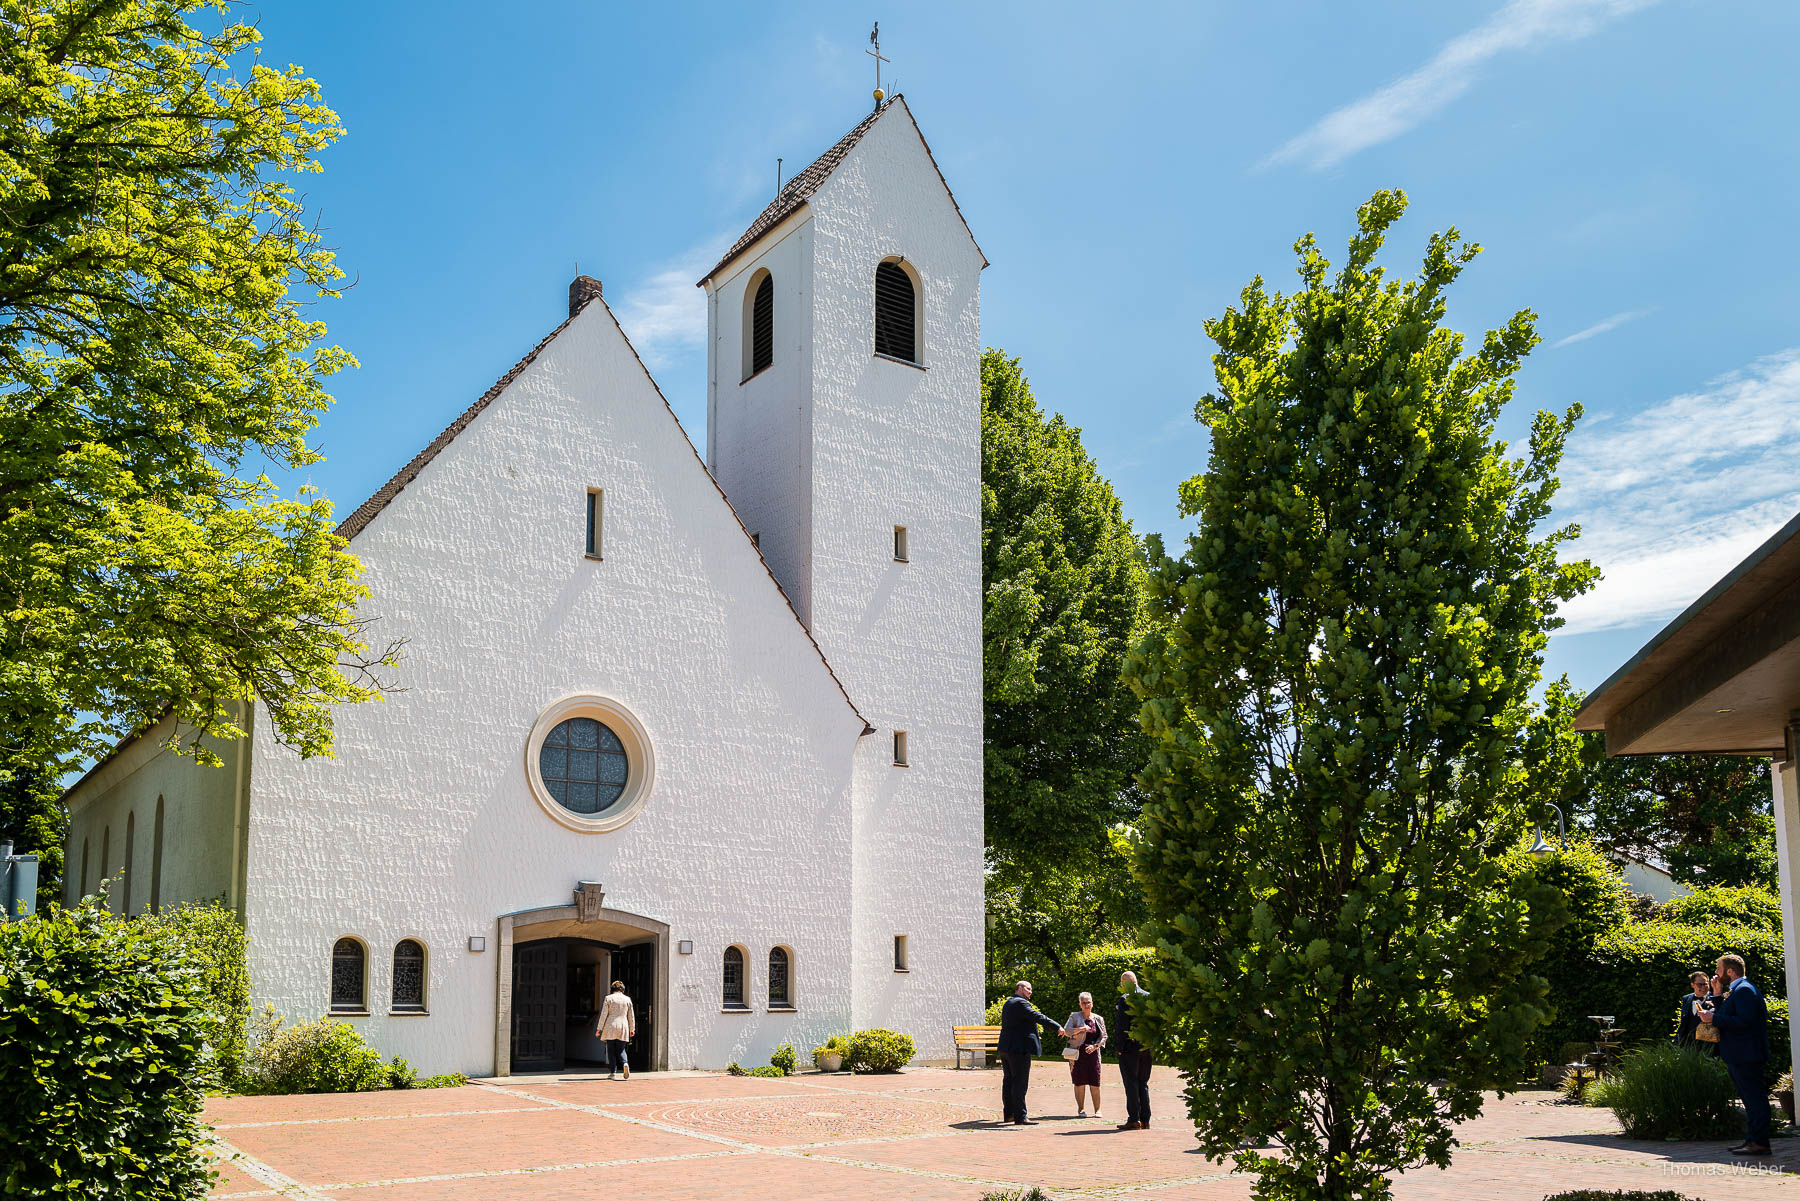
208	938
1722	906
1094	970
101	1062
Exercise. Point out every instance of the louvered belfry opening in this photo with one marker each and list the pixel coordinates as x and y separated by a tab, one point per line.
762	325
895	329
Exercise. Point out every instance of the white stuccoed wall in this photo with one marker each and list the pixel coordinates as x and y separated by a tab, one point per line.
884	444
423	826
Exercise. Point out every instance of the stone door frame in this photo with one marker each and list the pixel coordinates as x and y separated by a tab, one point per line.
564	921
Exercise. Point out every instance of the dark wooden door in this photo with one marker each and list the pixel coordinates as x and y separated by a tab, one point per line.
635	968
540	992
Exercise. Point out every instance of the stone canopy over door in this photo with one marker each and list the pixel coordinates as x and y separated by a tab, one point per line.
530	1027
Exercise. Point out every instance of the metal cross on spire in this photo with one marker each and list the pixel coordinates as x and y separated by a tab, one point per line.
875	41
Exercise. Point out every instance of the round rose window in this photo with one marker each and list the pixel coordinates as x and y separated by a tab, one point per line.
584	766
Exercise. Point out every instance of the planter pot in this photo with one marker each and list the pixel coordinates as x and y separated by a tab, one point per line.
828	1063
1786	1097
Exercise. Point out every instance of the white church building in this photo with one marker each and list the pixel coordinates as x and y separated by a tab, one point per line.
711	727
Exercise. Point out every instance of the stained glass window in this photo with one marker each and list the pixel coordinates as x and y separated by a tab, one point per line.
347	970
779	997
734	978
409	975
584	766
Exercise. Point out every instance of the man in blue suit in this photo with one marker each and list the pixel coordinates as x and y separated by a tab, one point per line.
1743	1021
1019	1044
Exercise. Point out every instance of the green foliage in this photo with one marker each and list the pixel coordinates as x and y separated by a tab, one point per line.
878	1051
992	1016
1095	970
1594	1194
1669	1092
444	1080
399	1074
312	1057
101	1062
768	1069
208	938
1335	690
1063	597
1597	903
1638	973
1725	906
32	815
734	1068
155	345
1034	1193
783	1059
837	1044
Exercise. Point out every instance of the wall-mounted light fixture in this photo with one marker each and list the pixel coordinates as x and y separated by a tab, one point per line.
685	946
477	943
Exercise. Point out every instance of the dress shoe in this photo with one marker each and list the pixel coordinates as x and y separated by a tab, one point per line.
1024	1121
1130	1126
1752	1149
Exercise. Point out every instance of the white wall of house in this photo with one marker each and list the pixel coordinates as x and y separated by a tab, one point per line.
1648	880
424	825
1786	788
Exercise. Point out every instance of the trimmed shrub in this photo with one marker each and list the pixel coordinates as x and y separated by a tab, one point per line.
1750	906
1638	973
447	1080
1095	970
101	1061
209	938
313	1057
878	1051
1670	1092
1598	904
399	1074
783	1059
767	1070
992	1016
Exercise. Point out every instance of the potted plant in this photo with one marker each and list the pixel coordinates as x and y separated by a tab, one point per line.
1784	1093
830	1057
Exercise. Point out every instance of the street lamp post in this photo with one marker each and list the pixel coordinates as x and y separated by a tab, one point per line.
1538	845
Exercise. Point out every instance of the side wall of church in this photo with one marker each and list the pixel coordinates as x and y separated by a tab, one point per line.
424	825
757	430
897	445
112	814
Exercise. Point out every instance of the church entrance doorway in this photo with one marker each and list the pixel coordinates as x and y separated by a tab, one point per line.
556	966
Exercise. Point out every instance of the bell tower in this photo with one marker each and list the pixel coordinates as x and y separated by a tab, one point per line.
844	424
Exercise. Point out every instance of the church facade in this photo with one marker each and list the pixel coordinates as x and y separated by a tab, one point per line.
708	725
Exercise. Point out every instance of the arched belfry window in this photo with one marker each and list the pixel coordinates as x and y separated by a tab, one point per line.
349	970
762	325
732	995
409	977
896	313
781	987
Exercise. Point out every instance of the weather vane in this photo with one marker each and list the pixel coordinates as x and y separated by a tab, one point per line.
875	41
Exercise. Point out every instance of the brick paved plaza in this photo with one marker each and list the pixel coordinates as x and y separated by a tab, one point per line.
925	1134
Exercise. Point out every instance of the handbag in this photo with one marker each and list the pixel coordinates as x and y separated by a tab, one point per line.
1071	1053
1706	1032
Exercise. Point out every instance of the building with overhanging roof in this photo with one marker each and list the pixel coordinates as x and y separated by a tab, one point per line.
1723	678
709	725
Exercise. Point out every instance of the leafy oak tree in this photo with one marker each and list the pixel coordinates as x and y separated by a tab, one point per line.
155	268
1336	698
1063	581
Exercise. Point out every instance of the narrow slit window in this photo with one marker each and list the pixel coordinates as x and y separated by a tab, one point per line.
899	748
900	958
762	325
900	555
595	518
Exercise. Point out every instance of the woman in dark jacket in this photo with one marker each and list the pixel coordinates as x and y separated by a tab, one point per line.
1691	1005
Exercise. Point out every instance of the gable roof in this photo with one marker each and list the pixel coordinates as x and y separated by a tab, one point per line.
580	299
800	189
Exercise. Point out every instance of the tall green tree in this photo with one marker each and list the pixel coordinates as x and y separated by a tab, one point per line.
1336	698
1063	580
155	272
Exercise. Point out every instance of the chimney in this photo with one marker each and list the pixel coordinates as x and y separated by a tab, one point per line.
584	289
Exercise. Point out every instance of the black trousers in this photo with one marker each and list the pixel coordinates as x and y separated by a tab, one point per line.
1749	1080
1134	1074
1015	1078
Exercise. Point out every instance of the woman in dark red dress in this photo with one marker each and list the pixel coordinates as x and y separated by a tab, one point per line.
1086	1032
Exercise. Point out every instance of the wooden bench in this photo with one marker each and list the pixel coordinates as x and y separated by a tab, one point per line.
970	1039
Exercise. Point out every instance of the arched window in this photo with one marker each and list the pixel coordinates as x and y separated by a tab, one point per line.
781	994
106	858
896	324
733	994
349	964
84	867
409	977
130	844
156	844
759	330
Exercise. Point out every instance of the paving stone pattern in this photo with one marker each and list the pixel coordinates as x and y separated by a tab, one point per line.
926	1134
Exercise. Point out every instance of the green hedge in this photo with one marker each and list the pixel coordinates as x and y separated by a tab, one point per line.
1598	903
101	1061
1095	970
209	939
878	1051
323	1056
1749	906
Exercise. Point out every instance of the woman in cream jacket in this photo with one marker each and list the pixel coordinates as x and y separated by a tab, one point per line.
618	1026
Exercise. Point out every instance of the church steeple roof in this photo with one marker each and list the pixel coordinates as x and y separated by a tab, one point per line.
798	190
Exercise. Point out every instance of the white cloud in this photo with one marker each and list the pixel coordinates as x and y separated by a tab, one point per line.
664	314
1409	100
1601	327
1673	497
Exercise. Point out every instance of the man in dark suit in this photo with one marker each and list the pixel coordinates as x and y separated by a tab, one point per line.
1134	1057
1019	1044
1743	1022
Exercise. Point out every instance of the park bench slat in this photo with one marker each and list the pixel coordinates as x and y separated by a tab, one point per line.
970	1039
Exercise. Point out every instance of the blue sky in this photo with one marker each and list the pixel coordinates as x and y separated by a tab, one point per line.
1629	165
